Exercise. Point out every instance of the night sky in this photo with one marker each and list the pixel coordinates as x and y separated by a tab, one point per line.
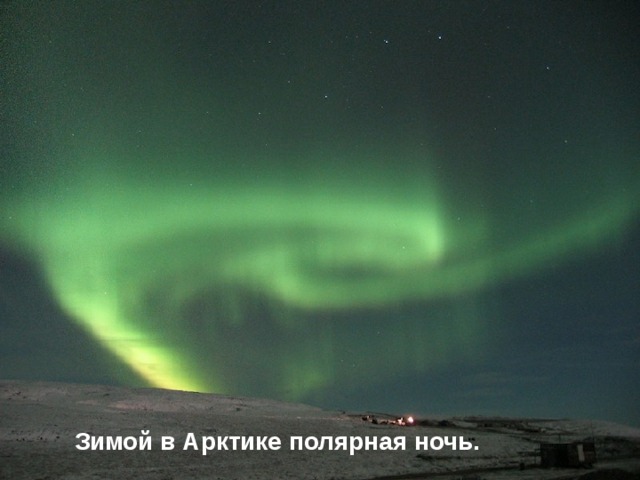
425	207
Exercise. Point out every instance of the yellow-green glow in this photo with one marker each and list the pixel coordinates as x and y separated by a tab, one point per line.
160	364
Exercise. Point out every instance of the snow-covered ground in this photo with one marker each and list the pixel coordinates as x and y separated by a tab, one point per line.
39	424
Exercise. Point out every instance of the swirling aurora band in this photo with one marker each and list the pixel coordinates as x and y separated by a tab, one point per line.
128	260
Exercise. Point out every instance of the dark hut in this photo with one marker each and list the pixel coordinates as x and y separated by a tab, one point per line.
575	454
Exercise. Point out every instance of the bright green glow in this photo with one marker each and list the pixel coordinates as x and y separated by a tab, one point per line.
136	261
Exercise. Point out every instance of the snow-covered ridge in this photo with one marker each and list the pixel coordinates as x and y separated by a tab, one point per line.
39	423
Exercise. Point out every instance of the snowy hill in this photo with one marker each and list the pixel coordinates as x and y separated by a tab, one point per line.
49	430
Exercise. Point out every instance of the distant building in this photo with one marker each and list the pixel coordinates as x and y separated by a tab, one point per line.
575	454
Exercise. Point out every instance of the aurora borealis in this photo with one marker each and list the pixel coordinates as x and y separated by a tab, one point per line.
416	205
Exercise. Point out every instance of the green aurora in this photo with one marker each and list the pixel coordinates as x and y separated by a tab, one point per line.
127	259
282	201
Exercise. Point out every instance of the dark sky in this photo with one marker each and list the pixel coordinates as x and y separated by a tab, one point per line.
425	207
